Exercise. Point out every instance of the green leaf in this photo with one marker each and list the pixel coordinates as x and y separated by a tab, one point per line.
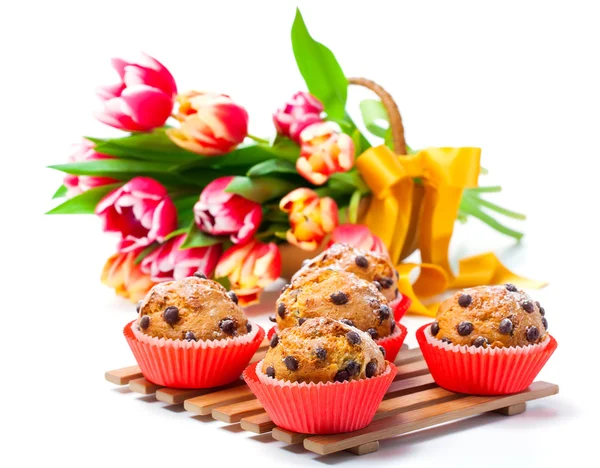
144	253
197	238
185	209
60	192
353	207
224	281
488	189
259	189
176	232
469	206
319	68
348	182
84	203
272	166
373	113
477	201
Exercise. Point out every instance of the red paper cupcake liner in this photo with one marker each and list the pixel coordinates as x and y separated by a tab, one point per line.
400	306
188	364
322	408
483	371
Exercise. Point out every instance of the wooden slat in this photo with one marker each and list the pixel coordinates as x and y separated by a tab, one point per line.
258	356
410	385
264	345
143	386
409	355
176	396
406	371
258	423
235	412
289	437
204	404
365	448
425	417
512	410
123	376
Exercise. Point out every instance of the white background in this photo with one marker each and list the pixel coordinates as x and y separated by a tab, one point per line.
520	79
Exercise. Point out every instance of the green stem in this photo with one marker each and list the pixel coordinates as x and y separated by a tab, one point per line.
258	139
470	208
498	209
485	189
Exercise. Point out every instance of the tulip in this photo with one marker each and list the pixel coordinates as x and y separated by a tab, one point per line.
76	185
142	100
324	151
127	279
169	262
250	268
359	236
141	211
298	113
227	214
311	218
211	124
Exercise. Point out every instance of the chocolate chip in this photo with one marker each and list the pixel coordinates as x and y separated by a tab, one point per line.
271	372
396	293
341	376
464	328
353	368
321	353
373	333
171	315
347	322
545	323
200	275
480	341
528	306
227	325
464	300
285	287
382	349
324	257
291	363
446	340
542	311
353	338
248	327
272	318
511	287
339	298
233	296
435	328
274	340
537	303
361	261
190	336
384	312
392	326
138	306
371	369
506	326
281	309
532	334
378	285
144	322
385	282
301	320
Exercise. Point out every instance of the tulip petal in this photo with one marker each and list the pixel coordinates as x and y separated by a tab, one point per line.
148	107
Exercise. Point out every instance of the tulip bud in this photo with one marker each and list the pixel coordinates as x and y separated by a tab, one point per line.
298	113
127	279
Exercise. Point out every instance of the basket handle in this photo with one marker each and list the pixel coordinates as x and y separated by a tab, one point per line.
391	107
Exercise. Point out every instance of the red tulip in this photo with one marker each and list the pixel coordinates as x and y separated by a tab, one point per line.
141	211
211	124
298	113
169	262
227	214
324	151
250	268
75	184
127	279
142	100
359	236
311	218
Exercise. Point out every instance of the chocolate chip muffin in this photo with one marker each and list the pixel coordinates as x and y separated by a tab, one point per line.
490	316
192	309
370	266
339	295
323	350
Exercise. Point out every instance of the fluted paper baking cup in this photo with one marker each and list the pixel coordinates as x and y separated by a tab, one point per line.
400	306
319	408
393	343
192	364
483	371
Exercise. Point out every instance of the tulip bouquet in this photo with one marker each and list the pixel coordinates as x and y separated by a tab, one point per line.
188	189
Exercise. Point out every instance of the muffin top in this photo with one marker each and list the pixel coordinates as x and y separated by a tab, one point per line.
490	316
192	309
370	266
339	295
323	350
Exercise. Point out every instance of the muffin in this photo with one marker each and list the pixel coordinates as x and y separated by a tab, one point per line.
487	340
323	350
322	377
191	333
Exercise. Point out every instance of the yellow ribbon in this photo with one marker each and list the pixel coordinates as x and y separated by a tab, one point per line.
402	212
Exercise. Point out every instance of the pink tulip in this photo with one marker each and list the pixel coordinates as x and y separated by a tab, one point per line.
211	124
298	113
359	236
127	279
227	214
250	268
141	211
142	100
75	184
169	262
324	151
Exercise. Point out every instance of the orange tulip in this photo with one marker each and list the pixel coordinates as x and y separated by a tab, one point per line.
125	277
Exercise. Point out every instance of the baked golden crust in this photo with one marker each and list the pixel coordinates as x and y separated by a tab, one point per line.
192	308
323	350
490	316
339	295
370	266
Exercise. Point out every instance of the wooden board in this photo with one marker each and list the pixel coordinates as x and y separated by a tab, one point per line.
412	402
